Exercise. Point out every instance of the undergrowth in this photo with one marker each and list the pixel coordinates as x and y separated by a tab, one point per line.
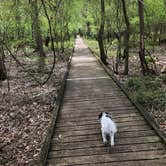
147	91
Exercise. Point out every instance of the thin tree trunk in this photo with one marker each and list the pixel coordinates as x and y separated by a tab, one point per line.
118	34
118	56
37	35
144	65
52	41
3	73
103	56
126	38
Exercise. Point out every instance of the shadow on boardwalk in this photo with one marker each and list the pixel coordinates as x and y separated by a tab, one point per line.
77	139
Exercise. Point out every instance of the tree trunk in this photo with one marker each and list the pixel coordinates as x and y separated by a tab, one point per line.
47	41
103	56
37	35
119	55
126	38
144	65
88	29
3	73
118	35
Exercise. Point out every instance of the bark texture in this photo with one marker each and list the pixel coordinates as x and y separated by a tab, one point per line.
103	56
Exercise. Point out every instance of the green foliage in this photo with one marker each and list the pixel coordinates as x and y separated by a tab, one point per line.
147	91
148	59
157	98
33	58
93	44
154	11
144	98
74	14
17	22
134	84
163	78
151	83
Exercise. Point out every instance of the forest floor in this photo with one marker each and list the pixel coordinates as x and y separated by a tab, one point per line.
26	107
149	91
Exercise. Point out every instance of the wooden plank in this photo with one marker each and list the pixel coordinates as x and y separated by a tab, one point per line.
97	105
93	126
119	157
91	130
115	99
71	125
91	143
97	110
93	118
85	98
158	162
93	136
89	120
91	96
93	115
100	108
104	150
95	87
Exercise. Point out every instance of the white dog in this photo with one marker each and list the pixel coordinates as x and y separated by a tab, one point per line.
108	127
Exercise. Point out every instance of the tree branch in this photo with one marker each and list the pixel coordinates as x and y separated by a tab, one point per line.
52	42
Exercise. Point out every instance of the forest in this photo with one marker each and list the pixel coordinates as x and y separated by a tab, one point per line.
37	39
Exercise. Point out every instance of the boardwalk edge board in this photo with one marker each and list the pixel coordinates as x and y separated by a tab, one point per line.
49	133
139	107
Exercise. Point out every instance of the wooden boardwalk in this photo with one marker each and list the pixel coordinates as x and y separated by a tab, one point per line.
77	138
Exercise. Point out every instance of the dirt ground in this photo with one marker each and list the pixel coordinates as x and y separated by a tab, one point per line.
25	109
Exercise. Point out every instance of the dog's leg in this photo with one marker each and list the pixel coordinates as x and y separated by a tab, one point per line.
112	139
104	138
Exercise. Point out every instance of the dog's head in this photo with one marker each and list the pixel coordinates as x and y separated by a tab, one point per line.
104	113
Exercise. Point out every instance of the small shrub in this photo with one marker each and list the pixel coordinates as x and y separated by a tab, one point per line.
163	78
149	59
144	97
147	91
151	84
160	99
134	84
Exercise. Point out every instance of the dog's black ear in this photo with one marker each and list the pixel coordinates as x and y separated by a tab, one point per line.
100	115
109	115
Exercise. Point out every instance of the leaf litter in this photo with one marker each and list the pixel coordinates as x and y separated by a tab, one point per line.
25	110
